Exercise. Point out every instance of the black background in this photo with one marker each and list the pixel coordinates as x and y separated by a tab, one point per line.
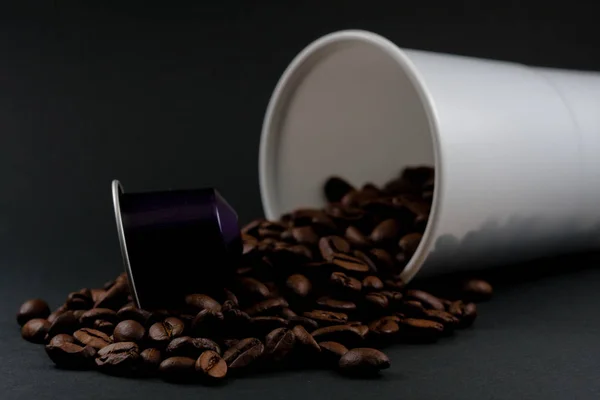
172	95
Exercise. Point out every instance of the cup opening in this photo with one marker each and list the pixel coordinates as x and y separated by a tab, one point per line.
350	104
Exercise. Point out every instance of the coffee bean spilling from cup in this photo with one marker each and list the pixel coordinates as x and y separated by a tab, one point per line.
318	288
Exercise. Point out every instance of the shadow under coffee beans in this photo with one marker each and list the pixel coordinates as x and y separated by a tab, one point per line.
317	288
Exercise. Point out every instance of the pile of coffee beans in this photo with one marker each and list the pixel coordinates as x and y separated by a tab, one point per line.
320	288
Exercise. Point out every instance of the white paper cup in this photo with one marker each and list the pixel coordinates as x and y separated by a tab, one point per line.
516	149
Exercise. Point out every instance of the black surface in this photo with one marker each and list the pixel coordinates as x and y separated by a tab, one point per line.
164	96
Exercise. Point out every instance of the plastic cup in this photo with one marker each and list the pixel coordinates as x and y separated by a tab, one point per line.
515	148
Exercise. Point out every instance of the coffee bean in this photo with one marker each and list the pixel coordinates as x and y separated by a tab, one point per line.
254	288
268	307
445	318
385	232
363	330
252	227
345	334
108	284
369	260
349	263
385	327
305	340
469	314
178	369
191	347
421	330
129	331
305	235
356	238
97	294
150	360
64	323
279	343
53	315
328	303
81	300
332	352
202	302
104	326
261	326
393	296
92	337
307	323
60	339
70	355
409	243
476	290
133	313
427	299
287	313
394	284
299	285
211	366
333	245
377	300
35	330
115	297
456	308
244	353
363	361
162	333
371	283
327	317
118	358
343	281
412	308
34	308
335	188
104	314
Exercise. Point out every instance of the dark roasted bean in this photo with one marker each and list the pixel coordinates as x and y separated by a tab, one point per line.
343	281
268	307
60	339
92	337
385	327
178	369
331	352
299	285
118	358
202	302
162	333
385	233
409	243
263	325
355	237
345	334
133	313
81	300
115	297
70	355
377	299
129	331
208	323
476	290
427	299
349	263
244	353
254	288
469	314
445	318
150	360
335	188
327	317
211	366
333	245
305	339
35	330
421	330
278	343
34	308
363	361
191	347
104	326
371	283
64	323
305	235
104	314
307	323
328	303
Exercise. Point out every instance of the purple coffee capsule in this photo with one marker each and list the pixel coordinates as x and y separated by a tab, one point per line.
175	243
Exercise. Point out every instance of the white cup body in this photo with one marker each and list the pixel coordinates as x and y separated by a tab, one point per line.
513	146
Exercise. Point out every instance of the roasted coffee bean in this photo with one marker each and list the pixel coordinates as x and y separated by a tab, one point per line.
476	290
70	355
34	308
162	333
88	318
53	315
393	296
191	347
64	323
372	283
427	299
97	294
384	261
115	297
92	337
343	281
456	308
244	353
208	323
469	314
369	260
333	245
202	302
335	188
445	318
211	366
268	307
345	334
363	361
60	339
35	330
307	323
377	300
279	343
81	300
305	235
421	330
261	326
287	313
385	233
254	288
409	243
299	285
412	308
331	352
327	317
305	340
385	327
349	263
328	303
118	358
252	227
178	369
108	284
104	326
129	331
356	238
150	359
133	313
394	284
230	296
363	330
